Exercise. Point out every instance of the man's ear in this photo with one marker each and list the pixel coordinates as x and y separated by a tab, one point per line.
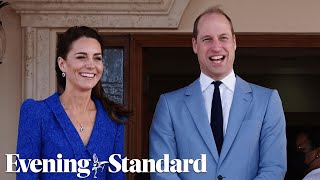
61	64
194	45
234	42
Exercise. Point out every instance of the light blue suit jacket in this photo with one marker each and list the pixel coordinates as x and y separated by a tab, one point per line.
254	145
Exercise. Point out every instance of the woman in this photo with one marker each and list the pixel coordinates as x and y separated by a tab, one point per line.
76	125
308	144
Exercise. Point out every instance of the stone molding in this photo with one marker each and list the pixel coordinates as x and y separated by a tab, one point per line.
40	17
101	13
36	65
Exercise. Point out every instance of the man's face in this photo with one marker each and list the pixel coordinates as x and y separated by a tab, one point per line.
304	145
215	46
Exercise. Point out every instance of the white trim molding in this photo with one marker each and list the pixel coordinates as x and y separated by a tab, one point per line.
39	18
101	13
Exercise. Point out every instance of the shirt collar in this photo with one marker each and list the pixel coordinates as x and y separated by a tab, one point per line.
229	81
315	171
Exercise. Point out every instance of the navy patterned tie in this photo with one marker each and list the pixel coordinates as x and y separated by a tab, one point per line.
216	116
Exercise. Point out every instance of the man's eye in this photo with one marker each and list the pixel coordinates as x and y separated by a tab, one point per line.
224	38
81	57
98	58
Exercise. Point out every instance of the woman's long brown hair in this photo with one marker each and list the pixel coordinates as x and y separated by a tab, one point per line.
114	110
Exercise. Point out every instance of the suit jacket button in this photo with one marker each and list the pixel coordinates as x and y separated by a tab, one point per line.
220	177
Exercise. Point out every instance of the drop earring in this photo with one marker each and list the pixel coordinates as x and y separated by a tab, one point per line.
63	74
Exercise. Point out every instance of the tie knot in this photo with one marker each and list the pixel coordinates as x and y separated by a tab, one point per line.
216	84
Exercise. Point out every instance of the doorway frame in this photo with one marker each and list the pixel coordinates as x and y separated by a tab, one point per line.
136	128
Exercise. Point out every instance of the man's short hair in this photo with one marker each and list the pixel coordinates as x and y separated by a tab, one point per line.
313	134
215	9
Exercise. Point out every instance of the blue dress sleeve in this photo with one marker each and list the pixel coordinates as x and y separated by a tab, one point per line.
29	138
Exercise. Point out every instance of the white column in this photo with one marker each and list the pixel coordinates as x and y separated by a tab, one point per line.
28	53
36	64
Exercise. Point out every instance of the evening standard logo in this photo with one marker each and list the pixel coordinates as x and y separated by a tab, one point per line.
81	167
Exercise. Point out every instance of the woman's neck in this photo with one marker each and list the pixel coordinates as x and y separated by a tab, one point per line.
76	101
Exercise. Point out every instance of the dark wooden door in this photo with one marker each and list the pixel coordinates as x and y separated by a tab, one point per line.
159	63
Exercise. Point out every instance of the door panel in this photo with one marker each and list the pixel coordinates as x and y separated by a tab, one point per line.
160	63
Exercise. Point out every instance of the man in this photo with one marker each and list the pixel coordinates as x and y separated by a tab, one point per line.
242	135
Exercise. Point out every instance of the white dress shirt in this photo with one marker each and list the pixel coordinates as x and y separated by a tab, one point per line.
313	175
226	93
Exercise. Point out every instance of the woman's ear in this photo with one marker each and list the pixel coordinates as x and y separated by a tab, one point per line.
61	64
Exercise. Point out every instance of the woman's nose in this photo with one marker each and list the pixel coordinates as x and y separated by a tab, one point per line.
90	64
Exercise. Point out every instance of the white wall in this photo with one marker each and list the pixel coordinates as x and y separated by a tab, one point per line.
261	16
10	87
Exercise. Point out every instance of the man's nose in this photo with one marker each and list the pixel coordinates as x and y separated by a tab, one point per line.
216	45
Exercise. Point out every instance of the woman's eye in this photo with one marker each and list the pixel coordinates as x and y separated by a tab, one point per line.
98	58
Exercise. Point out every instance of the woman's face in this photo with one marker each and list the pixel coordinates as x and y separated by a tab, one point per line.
83	65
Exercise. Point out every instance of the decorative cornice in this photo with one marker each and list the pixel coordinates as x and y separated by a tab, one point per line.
101	13
94	6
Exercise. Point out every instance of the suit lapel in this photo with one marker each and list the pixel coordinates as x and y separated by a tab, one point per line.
102	136
195	103
241	100
66	125
103	133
